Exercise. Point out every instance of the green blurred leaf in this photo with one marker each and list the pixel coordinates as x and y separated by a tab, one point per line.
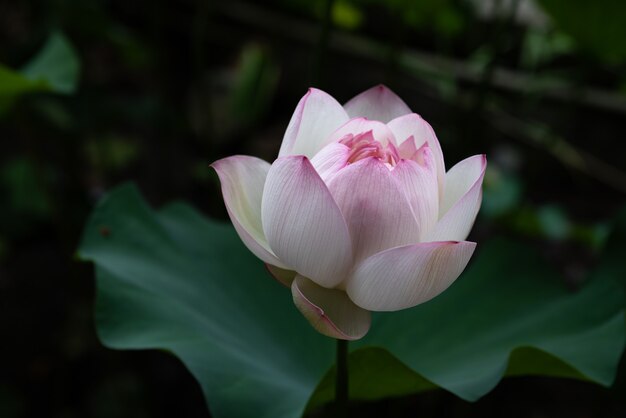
111	152
346	15
540	47
13	83
20	179
598	26
502	192
54	69
253	86
554	222
612	264
173	280
56	65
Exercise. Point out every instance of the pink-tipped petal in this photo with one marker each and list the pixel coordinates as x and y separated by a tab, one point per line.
461	200
332	158
419	183
330	311
357	126
282	276
377	103
378	213
403	277
413	126
242	179
303	224
407	147
317	115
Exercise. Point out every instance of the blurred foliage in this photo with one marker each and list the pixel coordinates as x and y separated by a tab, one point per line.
541	46
446	17
161	284
598	26
25	194
54	69
56	66
25	200
110	154
502	192
239	96
254	85
346	15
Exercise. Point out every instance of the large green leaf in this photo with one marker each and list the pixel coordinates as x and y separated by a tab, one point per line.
173	280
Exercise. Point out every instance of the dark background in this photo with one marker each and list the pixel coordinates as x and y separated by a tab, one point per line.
167	87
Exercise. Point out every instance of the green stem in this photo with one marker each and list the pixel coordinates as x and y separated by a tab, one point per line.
341	382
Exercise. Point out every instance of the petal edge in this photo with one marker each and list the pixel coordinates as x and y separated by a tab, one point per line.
377	103
317	115
403	277
330	311
461	201
242	179
303	224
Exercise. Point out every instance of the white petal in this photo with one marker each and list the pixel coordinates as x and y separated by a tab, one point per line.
461	200
303	224
330	311
413	127
317	115
419	183
377	212
403	277
378	103
242	179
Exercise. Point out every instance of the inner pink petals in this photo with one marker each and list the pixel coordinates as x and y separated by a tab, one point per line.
422	155
412	125
364	145
407	148
356	126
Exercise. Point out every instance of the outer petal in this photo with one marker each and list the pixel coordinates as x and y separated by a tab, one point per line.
403	277
242	179
330	311
378	213
303	224
461	200
412	125
317	115
379	130
377	103
419	183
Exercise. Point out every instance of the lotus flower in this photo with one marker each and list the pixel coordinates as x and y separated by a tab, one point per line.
357	213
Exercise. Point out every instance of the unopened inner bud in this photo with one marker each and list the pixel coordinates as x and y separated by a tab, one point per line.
364	145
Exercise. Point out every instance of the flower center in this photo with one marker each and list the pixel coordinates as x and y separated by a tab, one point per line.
364	145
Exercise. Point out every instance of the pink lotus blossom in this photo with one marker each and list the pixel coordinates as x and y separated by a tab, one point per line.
357	213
